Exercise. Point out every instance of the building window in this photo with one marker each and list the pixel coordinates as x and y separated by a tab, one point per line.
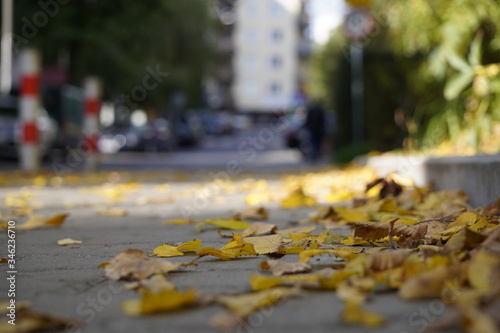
276	9
275	89
251	9
251	36
250	61
251	88
276	62
276	36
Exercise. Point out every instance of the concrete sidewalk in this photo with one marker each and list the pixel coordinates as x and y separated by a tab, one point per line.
66	282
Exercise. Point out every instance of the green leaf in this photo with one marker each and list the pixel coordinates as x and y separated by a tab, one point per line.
458	62
475	50
457	83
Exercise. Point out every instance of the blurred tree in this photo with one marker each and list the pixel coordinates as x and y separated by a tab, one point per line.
122	41
431	66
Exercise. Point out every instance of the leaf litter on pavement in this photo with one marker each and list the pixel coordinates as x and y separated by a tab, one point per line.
416	242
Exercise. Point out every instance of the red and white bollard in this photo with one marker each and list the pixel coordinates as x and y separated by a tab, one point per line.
92	94
29	108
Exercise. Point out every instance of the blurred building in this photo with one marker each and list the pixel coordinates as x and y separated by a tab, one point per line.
264	47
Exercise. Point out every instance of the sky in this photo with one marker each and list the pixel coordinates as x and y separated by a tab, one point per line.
325	15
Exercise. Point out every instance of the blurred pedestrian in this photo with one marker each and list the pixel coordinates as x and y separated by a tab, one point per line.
315	125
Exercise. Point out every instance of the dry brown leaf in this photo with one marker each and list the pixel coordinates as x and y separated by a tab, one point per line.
259	213
277	267
373	231
385	260
135	265
27	320
265	244
113	212
258	229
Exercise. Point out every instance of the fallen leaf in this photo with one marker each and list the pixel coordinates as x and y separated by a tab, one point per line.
181	221
259	213
245	304
353	313
352	215
343	252
376	230
258	229
3	261
261	282
156	284
425	285
68	241
113	212
167	250
134	265
234	248
277	267
28	320
385	260
38	221
295	230
297	199
224	223
151	302
265	244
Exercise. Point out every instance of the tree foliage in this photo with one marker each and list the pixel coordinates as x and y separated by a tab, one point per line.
118	40
445	69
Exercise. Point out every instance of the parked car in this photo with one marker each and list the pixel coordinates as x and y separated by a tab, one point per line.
156	135
10	129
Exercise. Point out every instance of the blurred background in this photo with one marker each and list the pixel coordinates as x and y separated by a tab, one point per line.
310	80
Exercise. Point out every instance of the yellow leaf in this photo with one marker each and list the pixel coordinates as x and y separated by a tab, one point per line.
3	261
159	302
245	304
425	285
156	283
230	224
352	215
258	198
210	251
260	282
345	253
167	250
234	248
278	267
68	241
180	221
298	199
296	230
38	221
481	271
319	237
113	212
353	313
464	219
190	246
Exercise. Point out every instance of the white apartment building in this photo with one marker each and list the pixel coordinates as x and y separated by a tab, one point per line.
267	61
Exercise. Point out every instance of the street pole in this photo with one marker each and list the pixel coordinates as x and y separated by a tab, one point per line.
357	92
93	92
29	107
6	63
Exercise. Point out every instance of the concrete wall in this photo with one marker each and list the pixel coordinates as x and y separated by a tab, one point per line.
478	176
